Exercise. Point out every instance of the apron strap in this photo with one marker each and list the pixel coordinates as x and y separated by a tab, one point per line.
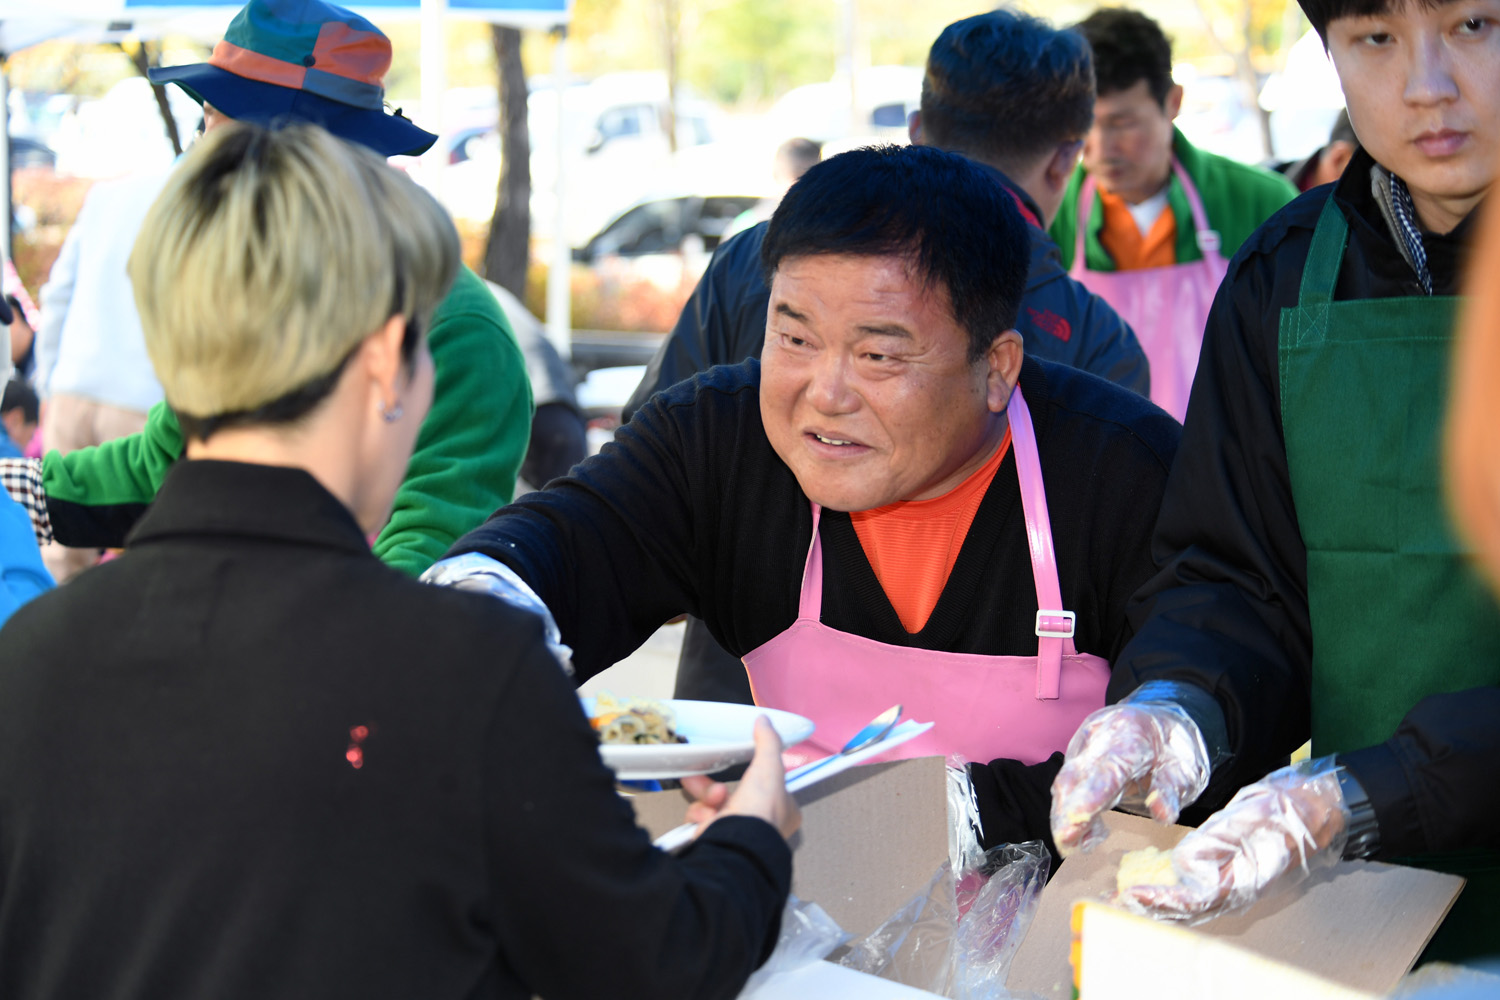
1306	323
1208	239
1085	206
810	604
1054	626
1324	257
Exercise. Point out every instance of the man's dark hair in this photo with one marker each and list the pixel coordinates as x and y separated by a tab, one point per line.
1128	47
18	393
1005	87
1321	12
956	227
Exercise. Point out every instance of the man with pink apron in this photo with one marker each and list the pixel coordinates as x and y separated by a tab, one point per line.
1149	221
893	505
1018	707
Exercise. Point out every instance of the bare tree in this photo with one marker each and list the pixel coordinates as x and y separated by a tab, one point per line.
507	252
1239	51
145	57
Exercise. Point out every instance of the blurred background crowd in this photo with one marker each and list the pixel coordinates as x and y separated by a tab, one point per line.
653	181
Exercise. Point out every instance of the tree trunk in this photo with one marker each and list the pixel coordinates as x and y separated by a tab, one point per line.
507	252
1244	69
143	62
1251	82
671	15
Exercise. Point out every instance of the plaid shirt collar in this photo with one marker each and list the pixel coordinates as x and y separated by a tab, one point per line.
1394	198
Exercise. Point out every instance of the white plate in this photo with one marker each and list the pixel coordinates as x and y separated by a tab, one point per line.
718	735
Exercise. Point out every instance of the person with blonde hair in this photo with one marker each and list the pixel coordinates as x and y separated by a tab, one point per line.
248	759
1473	445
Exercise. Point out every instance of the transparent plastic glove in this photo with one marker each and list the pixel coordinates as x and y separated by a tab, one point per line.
1271	836
1145	754
483	575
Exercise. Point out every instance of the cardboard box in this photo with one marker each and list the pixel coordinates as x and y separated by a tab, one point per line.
871	838
1359	924
1126	957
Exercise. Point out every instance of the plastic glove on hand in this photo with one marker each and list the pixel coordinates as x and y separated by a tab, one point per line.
1271	836
483	575
1148	754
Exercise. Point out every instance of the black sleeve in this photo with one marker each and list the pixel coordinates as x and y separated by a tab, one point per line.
723	323
1015	802
1227	609
610	549
1434	784
583	905
1116	354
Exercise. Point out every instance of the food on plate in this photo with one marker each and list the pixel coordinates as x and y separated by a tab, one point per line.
1148	866
628	721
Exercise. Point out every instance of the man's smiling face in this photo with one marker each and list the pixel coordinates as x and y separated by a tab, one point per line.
867	391
1423	87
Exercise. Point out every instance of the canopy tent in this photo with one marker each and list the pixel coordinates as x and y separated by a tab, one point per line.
24	23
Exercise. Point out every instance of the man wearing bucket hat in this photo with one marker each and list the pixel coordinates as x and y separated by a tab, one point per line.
304	60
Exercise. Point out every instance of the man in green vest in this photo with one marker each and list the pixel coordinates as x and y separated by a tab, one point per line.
1310	585
1148	221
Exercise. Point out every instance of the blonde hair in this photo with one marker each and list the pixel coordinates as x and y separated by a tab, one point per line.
1473	444
270	256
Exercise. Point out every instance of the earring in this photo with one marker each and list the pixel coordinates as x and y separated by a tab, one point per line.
393	414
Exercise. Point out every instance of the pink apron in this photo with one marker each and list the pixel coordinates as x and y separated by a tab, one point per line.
1021	707
1167	307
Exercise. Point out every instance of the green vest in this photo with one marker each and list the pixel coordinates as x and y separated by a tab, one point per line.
1398	611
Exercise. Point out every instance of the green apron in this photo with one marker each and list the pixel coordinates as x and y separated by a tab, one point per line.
1398	611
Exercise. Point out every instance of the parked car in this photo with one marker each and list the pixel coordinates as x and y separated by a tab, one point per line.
28	153
662	225
821	111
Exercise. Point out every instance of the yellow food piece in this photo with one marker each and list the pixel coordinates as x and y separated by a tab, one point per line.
1147	866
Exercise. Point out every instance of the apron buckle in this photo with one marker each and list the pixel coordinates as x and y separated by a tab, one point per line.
1055	624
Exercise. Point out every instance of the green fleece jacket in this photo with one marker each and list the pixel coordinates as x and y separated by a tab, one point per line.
1237	199
463	468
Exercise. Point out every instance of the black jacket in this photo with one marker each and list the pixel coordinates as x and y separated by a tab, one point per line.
1228	609
690	510
724	322
248	760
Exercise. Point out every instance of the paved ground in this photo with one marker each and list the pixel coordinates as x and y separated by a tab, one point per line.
649	672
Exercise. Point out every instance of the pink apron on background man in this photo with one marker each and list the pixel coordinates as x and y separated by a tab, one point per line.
1167	307
1020	707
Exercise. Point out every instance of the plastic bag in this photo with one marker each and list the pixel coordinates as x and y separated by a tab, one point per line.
807	935
964	826
991	928
957	938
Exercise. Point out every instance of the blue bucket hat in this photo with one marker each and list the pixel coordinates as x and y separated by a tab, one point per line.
303	60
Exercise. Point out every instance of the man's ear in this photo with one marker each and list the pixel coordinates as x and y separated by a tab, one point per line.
914	128
1173	103
1060	165
1337	155
1004	359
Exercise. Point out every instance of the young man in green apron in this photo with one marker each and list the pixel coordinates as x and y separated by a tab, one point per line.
1310	584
